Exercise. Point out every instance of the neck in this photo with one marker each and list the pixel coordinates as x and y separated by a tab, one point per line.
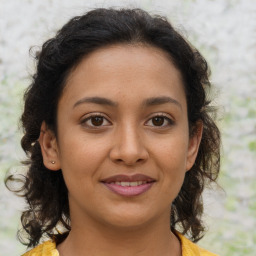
153	239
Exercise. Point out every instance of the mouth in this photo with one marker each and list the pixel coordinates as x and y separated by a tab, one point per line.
129	184
125	185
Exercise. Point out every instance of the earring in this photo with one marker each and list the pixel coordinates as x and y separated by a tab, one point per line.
53	162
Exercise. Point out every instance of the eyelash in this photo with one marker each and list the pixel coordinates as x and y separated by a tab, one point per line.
166	118
83	122
162	115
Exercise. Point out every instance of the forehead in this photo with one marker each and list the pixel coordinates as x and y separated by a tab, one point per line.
125	56
119	70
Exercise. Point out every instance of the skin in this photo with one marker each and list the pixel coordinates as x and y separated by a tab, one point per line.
127	140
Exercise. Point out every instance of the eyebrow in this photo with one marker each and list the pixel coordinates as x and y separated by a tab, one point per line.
160	100
147	102
96	100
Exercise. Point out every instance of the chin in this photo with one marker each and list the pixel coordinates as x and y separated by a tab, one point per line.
129	220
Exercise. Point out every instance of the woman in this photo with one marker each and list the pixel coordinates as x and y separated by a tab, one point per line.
120	140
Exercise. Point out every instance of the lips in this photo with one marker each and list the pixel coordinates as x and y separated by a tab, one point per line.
125	185
132	178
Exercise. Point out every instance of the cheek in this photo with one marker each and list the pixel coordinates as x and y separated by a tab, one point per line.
77	146
172	158
173	150
80	159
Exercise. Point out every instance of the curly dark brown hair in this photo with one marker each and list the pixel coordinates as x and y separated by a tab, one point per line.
44	190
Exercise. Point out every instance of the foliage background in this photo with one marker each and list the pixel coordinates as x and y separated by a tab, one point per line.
223	30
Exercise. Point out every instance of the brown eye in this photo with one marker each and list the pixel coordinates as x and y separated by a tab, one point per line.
97	120
158	120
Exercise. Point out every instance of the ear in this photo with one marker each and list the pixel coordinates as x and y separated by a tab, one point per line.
49	148
194	143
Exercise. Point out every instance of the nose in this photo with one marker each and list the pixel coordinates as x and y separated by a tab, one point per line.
128	147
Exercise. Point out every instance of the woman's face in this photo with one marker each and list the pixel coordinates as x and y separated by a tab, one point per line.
123	140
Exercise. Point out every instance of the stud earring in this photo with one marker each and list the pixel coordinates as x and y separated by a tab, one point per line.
53	162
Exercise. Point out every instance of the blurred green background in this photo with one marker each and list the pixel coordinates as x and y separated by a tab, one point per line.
223	30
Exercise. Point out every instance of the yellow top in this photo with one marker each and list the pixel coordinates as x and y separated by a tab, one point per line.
188	249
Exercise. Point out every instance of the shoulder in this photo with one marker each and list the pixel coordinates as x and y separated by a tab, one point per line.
191	249
45	249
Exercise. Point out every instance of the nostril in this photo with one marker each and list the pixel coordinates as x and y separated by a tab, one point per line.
128	154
